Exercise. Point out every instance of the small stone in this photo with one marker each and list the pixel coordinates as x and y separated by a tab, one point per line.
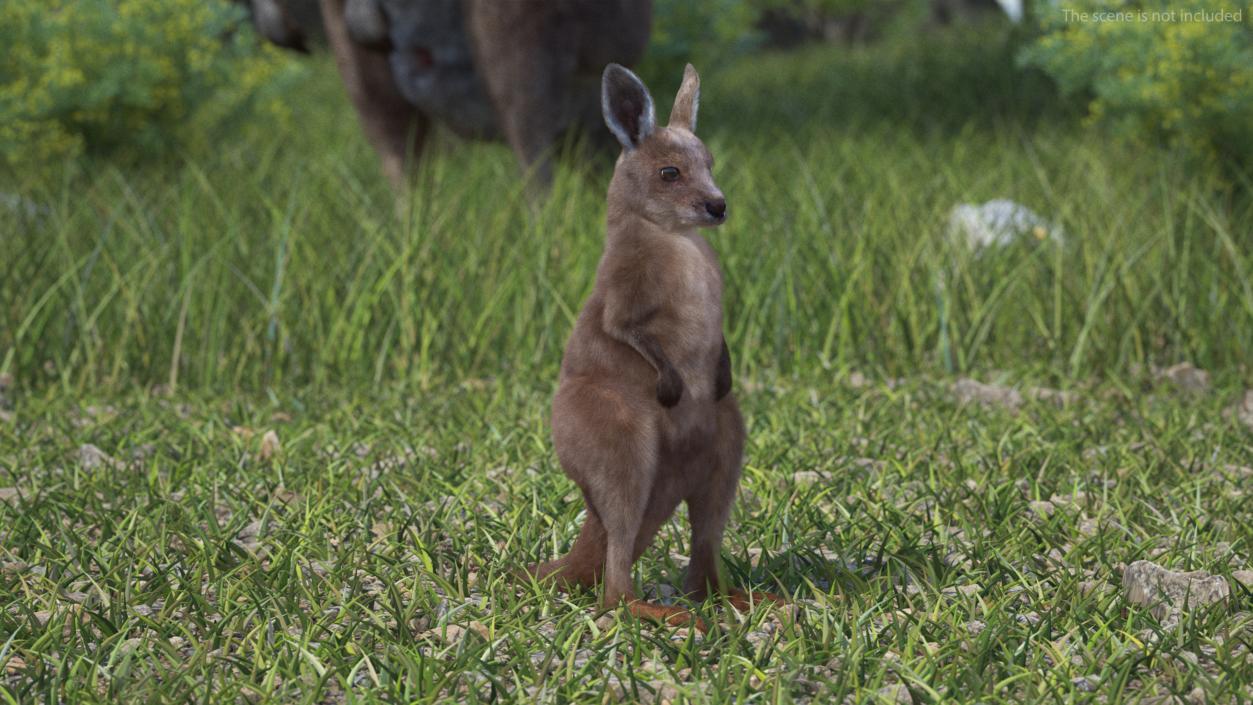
91	458
9	495
270	445
130	646
1086	684
757	637
964	590
449	633
968	390
896	693
806	477
1165	592
1030	619
1243	577
1042	508
754	556
1186	377
1089	526
1244	410
661	693
975	627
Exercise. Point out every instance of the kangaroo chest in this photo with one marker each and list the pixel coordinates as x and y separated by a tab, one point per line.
692	323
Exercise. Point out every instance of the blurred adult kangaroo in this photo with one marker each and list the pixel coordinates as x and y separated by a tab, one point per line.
644	417
525	71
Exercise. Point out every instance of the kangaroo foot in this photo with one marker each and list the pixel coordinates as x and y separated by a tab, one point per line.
743	600
674	616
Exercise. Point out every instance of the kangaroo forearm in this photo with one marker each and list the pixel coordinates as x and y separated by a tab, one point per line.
650	349
669	382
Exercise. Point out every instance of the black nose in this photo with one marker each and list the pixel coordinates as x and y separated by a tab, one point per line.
716	208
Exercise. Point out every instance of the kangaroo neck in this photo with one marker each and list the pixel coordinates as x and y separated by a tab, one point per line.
625	226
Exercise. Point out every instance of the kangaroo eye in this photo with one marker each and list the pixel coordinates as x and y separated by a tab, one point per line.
669	173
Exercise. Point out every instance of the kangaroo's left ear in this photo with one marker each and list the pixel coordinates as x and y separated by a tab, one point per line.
627	106
687	102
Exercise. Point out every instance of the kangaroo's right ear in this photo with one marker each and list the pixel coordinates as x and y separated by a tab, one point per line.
627	106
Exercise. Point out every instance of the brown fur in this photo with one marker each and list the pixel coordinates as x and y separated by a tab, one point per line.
644	418
539	62
394	128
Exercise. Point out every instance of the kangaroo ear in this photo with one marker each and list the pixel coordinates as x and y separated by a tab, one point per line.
627	106
687	102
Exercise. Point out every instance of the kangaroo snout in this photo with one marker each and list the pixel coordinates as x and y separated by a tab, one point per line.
717	209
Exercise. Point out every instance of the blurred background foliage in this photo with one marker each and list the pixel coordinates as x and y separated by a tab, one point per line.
129	78
1185	83
132	78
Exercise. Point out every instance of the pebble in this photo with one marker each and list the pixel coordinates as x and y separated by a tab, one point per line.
896	693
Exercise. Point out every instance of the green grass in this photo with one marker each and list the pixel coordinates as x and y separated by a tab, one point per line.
193	570
406	357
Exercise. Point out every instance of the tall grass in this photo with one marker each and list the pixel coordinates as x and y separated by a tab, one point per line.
290	263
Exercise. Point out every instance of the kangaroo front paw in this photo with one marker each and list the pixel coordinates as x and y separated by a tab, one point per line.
669	387
722	379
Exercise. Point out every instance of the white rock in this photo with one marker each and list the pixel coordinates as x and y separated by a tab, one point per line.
999	223
968	390
1165	592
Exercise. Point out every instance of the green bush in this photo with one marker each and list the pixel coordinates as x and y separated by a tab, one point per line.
134	76
704	33
715	32
1155	78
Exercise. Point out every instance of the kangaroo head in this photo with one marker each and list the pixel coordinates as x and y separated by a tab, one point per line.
664	173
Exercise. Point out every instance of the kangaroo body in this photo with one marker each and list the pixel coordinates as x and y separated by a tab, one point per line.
644	418
523	71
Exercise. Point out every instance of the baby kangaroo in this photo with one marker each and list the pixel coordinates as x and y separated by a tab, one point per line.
644	416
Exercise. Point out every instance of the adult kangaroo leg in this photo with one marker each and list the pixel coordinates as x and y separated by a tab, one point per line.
524	53
709	507
394	128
